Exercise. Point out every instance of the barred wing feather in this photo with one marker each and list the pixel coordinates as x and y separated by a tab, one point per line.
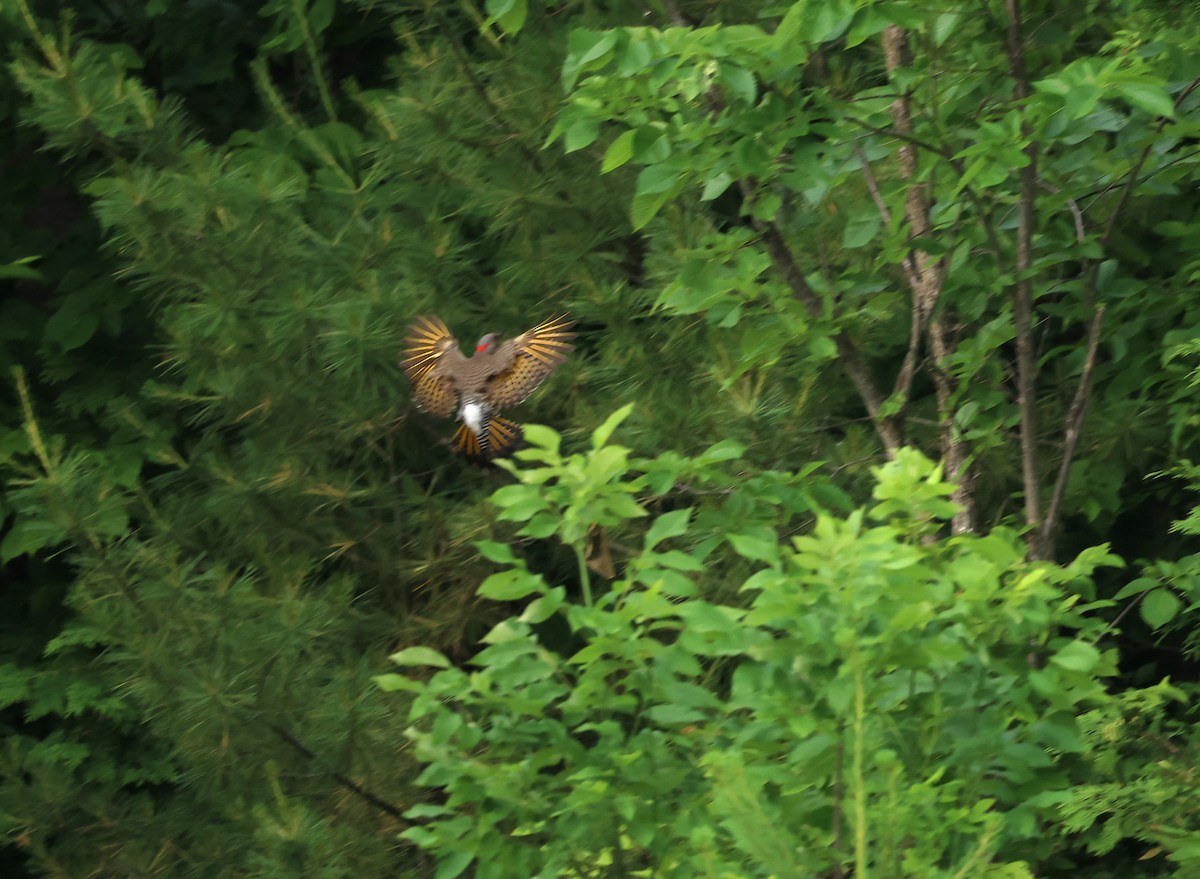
534	355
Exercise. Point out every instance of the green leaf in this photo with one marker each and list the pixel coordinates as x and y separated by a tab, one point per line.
21	270
454	863
543	437
619	152
667	525
602	433
715	185
724	450
623	506
586	50
861	230
944	25
656	179
520	502
756	548
830	21
1159	607
419	656
71	326
541	526
582	132
645	207
500	553
509	14
544	606
1136	587
739	83
1077	656
1148	95
511	585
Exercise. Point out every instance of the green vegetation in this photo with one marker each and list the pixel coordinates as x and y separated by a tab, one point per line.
863	542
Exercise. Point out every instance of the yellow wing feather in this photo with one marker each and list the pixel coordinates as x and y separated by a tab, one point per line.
426	346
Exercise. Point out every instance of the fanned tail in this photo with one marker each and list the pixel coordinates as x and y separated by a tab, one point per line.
499	438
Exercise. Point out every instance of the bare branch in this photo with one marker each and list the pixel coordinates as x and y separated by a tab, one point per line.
1073	428
926	279
847	351
1023	296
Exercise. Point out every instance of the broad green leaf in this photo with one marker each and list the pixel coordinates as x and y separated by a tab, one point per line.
944	25
1077	656
586	50
656	179
622	506
544	606
543	437
581	133
755	548
454	863
1136	587
739	83
510	585
1159	607
601	434
1149	96
861	230
723	450
541	526
667	525
791	26
394	683
501	553
519	502
619	152
715	185
509	14
646	207
72	325
419	656
830	20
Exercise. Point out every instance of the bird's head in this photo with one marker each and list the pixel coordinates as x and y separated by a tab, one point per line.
487	343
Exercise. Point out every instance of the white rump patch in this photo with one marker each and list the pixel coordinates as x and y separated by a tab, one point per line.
473	416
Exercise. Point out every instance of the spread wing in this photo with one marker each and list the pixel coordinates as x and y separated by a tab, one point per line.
534	355
429	350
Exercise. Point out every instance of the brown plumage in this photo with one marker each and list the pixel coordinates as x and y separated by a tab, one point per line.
499	375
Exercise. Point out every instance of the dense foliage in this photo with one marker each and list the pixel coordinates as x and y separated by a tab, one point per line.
864	541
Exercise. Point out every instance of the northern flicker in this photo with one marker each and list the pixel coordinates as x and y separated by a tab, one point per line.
497	376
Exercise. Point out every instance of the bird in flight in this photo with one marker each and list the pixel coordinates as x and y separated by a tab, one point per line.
497	376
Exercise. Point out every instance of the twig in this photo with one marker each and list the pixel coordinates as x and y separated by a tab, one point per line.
353	786
1131	182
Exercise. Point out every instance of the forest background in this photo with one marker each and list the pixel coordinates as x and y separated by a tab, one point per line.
863	542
